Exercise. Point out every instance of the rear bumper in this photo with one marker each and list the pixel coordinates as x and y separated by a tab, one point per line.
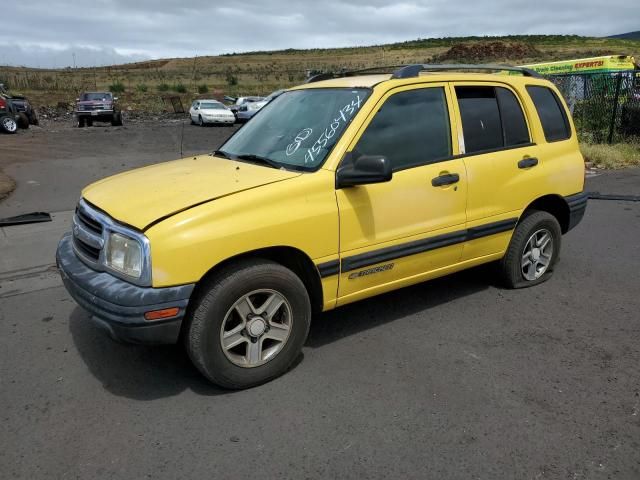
119	306
577	206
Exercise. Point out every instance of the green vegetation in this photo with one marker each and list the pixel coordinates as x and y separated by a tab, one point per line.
179	87
618	155
203	88
142	87
163	87
117	87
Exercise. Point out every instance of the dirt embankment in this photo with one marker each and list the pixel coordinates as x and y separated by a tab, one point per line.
6	185
482	52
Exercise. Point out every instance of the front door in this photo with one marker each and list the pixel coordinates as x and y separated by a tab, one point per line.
393	233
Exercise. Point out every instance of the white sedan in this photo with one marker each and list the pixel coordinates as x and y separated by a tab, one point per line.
210	111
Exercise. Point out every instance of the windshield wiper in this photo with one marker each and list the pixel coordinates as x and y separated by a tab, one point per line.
259	159
222	153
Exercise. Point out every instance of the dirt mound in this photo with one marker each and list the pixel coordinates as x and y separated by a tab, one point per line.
483	52
6	185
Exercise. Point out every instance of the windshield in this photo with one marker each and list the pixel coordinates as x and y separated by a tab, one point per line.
212	105
299	128
101	97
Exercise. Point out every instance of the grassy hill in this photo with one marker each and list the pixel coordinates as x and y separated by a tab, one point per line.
141	85
628	36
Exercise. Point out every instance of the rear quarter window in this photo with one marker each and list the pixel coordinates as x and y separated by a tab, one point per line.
553	116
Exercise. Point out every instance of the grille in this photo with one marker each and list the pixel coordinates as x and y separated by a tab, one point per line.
89	222
88	238
86	249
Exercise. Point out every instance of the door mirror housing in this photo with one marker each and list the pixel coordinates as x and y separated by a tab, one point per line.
363	170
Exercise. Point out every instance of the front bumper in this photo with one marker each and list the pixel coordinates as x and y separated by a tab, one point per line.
93	113
219	120
119	306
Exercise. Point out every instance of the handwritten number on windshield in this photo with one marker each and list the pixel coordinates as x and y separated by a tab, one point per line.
345	114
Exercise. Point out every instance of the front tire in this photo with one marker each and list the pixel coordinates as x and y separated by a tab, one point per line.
248	324
116	120
533	251
200	121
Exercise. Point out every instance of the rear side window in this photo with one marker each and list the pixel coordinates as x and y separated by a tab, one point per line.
514	125
480	118
551	112
491	119
411	128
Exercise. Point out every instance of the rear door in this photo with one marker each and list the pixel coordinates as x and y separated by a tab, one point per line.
501	160
395	232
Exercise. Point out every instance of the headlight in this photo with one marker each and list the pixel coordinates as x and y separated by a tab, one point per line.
124	255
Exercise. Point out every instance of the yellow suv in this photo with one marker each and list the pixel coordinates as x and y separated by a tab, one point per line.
338	190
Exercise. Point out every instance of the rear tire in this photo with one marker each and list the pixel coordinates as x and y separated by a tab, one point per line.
533	251
200	121
81	122
22	120
8	124
239	344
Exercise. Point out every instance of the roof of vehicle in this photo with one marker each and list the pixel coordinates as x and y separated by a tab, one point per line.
213	100
467	74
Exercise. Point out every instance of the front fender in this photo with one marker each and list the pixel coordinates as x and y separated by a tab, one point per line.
300	213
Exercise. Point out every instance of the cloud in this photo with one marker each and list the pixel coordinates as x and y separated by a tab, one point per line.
116	31
47	56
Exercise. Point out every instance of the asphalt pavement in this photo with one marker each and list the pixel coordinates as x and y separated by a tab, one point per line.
455	378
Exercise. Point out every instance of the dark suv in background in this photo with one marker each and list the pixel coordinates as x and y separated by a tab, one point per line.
97	106
25	113
8	123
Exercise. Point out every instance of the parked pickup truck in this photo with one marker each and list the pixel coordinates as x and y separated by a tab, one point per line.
340	189
97	106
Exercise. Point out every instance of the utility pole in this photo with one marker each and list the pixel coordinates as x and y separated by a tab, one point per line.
74	59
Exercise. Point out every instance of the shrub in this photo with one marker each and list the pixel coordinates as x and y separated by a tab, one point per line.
163	87
180	88
117	87
142	87
203	88
618	155
232	79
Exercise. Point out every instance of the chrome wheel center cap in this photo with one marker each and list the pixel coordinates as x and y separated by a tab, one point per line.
535	254
256	327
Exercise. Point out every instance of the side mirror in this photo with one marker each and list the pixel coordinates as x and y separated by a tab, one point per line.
364	170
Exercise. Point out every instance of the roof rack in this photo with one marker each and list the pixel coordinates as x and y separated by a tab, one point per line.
409	71
352	73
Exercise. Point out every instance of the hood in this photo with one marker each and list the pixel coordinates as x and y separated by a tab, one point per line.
141	197
216	111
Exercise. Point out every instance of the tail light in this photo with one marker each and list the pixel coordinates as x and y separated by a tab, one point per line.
3	103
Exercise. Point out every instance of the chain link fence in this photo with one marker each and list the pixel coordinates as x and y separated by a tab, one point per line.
605	106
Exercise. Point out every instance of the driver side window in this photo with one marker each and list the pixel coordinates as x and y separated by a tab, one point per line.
411	129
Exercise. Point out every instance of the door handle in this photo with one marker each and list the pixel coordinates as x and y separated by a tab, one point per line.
446	179
528	162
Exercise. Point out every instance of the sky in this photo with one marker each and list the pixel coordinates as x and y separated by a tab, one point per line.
61	33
